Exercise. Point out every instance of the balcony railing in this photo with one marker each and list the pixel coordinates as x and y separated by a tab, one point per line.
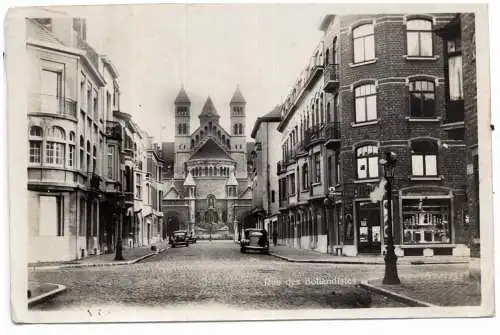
331	78
114	130
94	181
299	149
280	167
51	104
332	131
313	135
455	111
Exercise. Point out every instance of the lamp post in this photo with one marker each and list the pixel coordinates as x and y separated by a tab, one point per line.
391	270
119	242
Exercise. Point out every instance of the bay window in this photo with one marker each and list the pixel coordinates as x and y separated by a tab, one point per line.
35	143
54	148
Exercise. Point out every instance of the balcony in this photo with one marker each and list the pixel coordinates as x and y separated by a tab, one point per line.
299	150
331	78
51	104
114	130
332	134
280	167
314	135
454	115
128	198
94	182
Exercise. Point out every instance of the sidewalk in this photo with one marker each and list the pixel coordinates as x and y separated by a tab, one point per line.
40	292
130	255
431	290
310	256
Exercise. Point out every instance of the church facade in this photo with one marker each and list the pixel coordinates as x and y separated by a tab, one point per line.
209	192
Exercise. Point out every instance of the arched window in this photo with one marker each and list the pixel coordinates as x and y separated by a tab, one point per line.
424	158
328	113
205	171
327	57
197	138
365	103
363	43
228	143
305	177
211	201
55	147
201	134
313	120
71	149
235	129
210	171
192	143
89	166
184	129
422	98
35	142
179	129
94	158
419	38
82	154
367	162
321	109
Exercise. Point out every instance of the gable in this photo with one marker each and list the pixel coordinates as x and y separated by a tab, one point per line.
210	150
172	194
247	194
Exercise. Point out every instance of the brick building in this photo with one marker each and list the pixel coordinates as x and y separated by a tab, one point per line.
461	93
378	85
209	189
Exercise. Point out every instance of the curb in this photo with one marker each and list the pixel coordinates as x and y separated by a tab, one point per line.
326	261
89	265
319	261
396	296
47	296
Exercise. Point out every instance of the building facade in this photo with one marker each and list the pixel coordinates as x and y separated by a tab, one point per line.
265	157
209	190
376	84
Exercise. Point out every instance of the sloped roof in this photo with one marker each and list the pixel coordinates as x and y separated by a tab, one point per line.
189	180
272	116
231	181
182	97
208	110
210	150
237	97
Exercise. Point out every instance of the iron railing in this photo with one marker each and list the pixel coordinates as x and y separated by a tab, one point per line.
51	104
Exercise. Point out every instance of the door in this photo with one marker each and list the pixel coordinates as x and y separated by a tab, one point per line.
368	225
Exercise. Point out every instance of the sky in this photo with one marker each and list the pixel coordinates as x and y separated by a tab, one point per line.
208	49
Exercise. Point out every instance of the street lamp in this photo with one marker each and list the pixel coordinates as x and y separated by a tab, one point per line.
391	271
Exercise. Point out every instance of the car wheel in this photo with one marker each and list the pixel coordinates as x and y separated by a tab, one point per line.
242	250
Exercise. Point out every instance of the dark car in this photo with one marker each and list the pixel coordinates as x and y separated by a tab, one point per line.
179	237
255	239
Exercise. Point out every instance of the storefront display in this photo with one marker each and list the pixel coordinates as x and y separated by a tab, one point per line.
426	221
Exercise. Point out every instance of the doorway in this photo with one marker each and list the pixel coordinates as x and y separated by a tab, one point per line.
368	226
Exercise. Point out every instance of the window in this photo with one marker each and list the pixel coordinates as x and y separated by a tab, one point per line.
317	168
94	158
363	43
108	105
83	214
110	155
365	103
89	166
95	105
83	92
426	221
138	191
35	142
305	177
82	154
424	158
455	77
71	150
273	196
367	162
51	91
89	99
419	38
337	168
54	149
292	183
422	99
184	128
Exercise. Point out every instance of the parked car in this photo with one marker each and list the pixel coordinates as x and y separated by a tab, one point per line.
179	237
254	239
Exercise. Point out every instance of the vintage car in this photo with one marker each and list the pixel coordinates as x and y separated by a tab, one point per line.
179	237
254	239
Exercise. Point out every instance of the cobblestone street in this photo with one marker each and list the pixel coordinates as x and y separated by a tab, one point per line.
216	272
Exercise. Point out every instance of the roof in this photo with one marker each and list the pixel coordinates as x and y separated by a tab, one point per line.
208	110
237	97
189	180
182	97
232	180
272	116
210	150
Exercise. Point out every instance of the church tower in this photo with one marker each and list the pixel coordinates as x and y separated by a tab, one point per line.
182	132
238	139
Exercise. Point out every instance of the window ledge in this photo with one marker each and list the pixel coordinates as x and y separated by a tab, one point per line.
453	125
421	58
316	184
363	181
423	119
426	178
367	123
372	61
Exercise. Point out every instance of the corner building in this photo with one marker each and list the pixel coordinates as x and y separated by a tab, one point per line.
377	84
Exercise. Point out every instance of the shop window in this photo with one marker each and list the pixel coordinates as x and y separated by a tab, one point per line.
422	99
363	43
426	221
419	38
365	97
367	162
424	158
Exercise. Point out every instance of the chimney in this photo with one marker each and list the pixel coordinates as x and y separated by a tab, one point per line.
62	27
80	26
